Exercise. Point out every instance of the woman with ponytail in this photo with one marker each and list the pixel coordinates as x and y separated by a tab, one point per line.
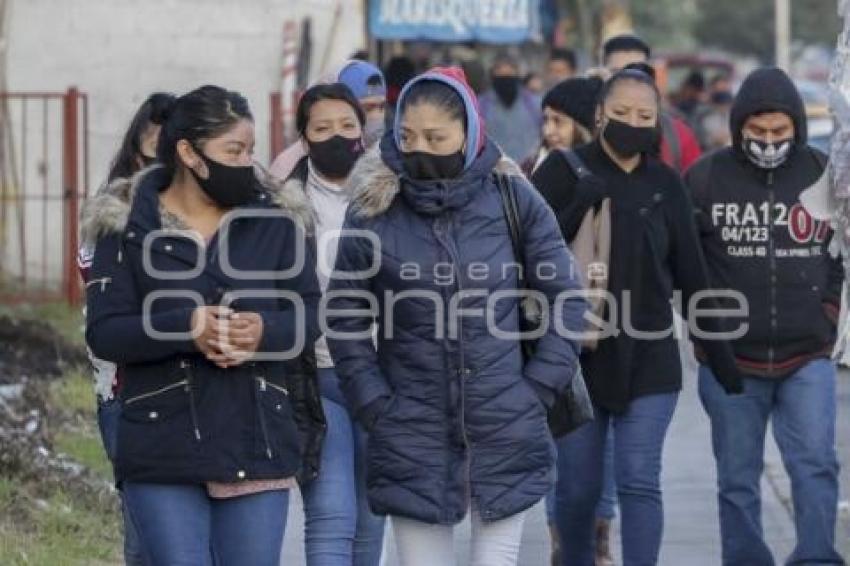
204	292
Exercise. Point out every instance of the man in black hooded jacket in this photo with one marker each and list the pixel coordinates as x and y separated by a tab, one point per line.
759	240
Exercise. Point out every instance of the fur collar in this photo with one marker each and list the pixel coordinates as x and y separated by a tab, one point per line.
108	211
374	185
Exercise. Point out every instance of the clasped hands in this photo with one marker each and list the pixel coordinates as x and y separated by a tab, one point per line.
226	337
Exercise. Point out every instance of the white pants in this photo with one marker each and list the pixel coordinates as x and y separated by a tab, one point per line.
493	543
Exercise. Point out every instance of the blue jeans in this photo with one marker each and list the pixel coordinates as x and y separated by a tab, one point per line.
802	407
108	413
607	508
638	443
180	525
340	529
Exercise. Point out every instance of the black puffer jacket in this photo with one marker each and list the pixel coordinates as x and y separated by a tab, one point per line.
183	419
759	240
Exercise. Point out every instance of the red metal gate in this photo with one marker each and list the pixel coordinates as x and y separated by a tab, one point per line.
44	175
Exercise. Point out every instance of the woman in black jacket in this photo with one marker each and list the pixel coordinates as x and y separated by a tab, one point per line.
203	289
633	372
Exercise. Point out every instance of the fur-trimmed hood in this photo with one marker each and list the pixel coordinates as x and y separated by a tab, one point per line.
374	185
109	210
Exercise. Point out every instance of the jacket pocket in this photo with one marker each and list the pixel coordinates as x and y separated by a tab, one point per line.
158	429
390	455
158	404
276	434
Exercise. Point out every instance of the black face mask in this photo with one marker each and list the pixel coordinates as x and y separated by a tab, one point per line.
627	140
506	88
428	166
227	185
335	157
767	155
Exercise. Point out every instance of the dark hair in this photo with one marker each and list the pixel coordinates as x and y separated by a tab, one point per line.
335	91
205	113
566	55
695	79
505	58
626	42
636	75
437	94
628	74
154	110
645	68
399	70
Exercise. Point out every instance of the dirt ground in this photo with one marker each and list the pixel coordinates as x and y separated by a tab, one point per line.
34	349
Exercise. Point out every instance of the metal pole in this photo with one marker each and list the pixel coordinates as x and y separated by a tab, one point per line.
783	34
276	141
71	189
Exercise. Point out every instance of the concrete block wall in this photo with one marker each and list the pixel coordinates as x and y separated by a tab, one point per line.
119	51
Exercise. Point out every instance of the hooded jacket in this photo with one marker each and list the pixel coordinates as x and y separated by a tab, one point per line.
183	419
460	417
760	240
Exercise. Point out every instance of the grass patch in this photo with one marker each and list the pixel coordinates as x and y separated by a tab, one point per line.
85	448
73	395
48	523
56	529
55	526
71	399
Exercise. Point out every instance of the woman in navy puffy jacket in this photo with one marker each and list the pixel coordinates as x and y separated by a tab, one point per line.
457	419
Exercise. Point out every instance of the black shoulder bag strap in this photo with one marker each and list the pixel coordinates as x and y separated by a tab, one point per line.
511	210
578	167
573	406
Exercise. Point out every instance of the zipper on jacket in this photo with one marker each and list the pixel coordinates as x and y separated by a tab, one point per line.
213	243
463	369
263	384
159	391
187	367
772	265
280	388
103	281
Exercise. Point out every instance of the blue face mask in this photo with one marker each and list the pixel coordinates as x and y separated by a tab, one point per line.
373	131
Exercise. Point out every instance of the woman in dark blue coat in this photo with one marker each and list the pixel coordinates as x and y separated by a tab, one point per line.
457	421
202	288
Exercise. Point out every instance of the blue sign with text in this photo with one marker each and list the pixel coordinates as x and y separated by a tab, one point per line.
489	21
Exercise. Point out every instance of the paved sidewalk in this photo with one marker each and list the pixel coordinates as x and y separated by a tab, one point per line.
692	533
